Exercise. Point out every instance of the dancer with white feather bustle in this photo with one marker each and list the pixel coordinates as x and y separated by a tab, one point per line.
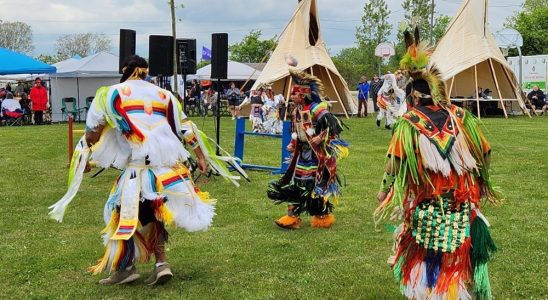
137	127
391	102
437	173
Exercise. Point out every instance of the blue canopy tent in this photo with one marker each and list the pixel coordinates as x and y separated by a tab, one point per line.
15	63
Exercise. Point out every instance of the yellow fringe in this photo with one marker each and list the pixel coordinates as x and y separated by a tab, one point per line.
204	196
164	215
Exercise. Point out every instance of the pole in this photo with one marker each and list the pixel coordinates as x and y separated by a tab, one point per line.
218	115
520	68
380	59
184	93
70	138
432	23
78	98
174	33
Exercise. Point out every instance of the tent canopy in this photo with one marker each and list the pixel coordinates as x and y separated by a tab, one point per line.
302	39
102	64
16	63
236	71
468	57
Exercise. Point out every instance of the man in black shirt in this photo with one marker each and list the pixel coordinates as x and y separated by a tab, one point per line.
374	88
538	99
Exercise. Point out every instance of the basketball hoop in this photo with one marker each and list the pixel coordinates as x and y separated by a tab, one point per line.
385	51
504	51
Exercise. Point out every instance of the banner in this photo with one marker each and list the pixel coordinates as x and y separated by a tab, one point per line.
206	53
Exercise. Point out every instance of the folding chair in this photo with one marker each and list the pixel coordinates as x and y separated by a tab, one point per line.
68	107
13	118
88	102
190	107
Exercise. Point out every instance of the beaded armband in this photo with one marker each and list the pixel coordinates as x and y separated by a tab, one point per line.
190	138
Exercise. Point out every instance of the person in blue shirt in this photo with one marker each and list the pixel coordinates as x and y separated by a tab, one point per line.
363	92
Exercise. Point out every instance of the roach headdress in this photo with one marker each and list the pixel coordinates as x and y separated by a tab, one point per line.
416	62
304	83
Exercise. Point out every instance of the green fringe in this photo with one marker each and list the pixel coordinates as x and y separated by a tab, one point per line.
483	248
398	273
408	167
482	287
473	132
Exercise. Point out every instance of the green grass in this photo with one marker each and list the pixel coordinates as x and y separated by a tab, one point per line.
244	255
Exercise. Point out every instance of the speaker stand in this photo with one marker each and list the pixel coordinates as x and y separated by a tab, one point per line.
218	116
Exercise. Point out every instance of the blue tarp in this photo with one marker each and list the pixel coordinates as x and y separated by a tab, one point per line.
16	63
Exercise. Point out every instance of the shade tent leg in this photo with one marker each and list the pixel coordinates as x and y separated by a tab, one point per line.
516	91
476	89
498	88
337	92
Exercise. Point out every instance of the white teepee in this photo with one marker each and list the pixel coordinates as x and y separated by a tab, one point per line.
468	58
302	39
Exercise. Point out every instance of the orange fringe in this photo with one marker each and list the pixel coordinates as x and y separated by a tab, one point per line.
324	221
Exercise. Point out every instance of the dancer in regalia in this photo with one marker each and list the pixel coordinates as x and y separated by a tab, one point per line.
390	100
437	173
271	109
137	127
310	184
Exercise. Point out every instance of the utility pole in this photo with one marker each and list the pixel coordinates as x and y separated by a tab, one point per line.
174	33
432	23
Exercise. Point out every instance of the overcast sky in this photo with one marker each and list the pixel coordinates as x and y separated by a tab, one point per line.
338	18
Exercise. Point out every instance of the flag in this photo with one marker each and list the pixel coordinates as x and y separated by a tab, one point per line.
206	53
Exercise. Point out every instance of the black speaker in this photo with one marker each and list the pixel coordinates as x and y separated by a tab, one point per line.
186	60
160	55
219	55
127	46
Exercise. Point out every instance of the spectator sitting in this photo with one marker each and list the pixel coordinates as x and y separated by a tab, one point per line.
11	107
25	105
538	99
486	94
210	100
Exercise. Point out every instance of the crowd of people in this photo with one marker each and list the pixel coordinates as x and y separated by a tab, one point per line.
266	107
25	103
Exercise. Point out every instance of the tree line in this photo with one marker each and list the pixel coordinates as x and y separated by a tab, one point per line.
531	21
18	37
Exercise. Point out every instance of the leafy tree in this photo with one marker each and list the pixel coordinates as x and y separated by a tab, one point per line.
375	28
16	36
251	49
48	59
440	25
203	63
532	23
82	44
417	13
357	61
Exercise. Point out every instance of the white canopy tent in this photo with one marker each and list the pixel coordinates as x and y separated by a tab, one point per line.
80	78
235	71
468	58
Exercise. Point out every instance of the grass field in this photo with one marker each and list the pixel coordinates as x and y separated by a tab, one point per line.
244	255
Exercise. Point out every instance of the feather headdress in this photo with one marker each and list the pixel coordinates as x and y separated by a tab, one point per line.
416	62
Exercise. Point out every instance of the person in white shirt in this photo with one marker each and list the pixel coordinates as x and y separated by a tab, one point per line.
11	106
